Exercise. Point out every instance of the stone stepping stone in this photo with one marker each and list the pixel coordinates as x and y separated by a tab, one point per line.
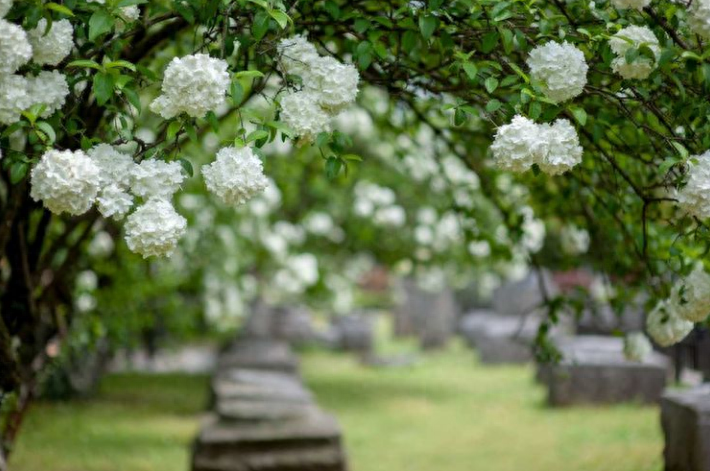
260	354
288	390
685	418
593	370
308	443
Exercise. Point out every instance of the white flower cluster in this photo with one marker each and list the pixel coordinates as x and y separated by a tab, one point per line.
694	197
17	47
636	4
5	6
72	182
298	274
154	228
235	176
115	174
156	179
665	326
521	143
637	347
691	296
699	17
65	181
193	85
634	37
574	240
328	87
51	47
559	70
379	203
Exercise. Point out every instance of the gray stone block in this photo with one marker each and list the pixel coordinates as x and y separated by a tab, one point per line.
500	339
593	370
307	443
524	296
254	384
257	353
685	418
354	332
431	316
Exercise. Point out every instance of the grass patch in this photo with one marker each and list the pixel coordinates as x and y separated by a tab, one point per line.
136	423
448	412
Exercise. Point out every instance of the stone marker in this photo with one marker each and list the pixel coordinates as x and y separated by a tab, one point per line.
524	296
308	443
294	324
431	316
256	353
685	418
256	384
353	332
603	320
500	339
593	370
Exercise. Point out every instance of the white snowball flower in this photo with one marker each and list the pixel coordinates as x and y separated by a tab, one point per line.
302	114
691	296
130	13
634	37
5	6
154	229
564	151
393	216
14	98
637	347
65	181
296	55
636	4
574	240
15	48
116	167
664	325
559	70
334	83
114	201
699	17
51	48
48	88
518	144
194	85
156	178
694	197
235	176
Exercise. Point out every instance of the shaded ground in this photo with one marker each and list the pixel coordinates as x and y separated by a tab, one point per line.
444	413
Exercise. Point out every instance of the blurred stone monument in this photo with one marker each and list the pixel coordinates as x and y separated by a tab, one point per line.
263	418
685	418
293	324
500	339
353	333
594	370
522	297
430	316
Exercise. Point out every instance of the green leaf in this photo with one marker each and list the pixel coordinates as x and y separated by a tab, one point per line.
60	9
257	135
409	41
470	69
491	84
89	64
260	25
120	63
322	139
580	115
128	3
237	93
186	12
333	166
173	129
681	149
132	97
103	87
191	133
101	22
489	42
493	105
47	130
18	170
427	25
187	166
352	157
248	74
281	18
666	165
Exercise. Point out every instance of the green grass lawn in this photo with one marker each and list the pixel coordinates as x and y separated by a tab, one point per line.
445	413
